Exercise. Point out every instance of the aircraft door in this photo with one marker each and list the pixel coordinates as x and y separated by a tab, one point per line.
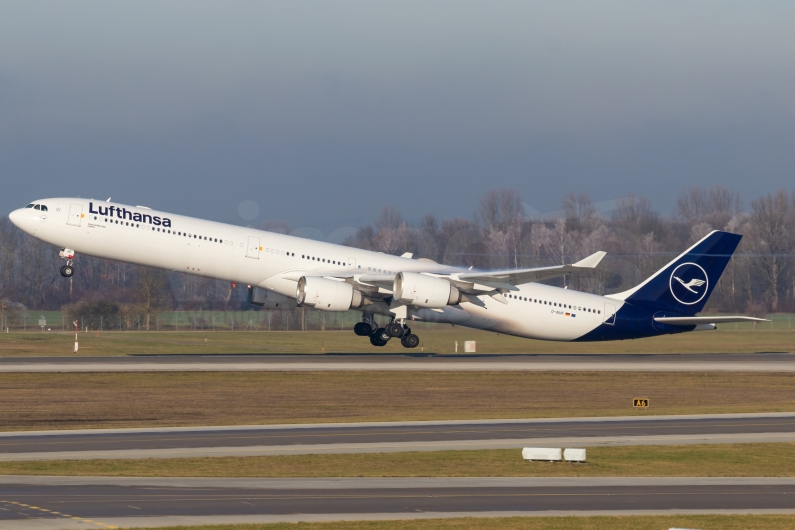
610	314
75	214
253	247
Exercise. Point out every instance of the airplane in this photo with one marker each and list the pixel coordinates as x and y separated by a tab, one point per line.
285	272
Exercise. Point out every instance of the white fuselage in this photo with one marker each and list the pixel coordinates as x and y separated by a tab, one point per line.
260	258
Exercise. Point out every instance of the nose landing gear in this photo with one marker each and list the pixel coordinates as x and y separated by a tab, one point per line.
67	270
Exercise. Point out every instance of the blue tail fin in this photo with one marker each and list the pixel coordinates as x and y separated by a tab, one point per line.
684	285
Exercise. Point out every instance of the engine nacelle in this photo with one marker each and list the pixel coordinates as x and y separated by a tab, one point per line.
327	295
426	291
269	300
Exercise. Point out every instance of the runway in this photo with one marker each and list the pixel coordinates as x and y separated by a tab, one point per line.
183	442
31	503
758	362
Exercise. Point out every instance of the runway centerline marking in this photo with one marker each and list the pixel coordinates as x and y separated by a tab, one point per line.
425	495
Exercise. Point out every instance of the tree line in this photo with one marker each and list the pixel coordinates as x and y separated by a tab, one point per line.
499	234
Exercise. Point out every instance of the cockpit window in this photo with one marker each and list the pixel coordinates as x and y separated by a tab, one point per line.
37	207
43	208
29	206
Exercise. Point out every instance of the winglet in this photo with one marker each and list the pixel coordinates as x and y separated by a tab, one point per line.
591	261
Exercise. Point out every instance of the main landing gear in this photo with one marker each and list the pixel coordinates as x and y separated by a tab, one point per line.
380	336
67	270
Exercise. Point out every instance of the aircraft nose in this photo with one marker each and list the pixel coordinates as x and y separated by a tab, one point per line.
15	217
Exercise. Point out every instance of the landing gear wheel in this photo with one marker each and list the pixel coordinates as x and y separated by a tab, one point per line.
382	335
394	330
362	329
375	340
67	271
410	341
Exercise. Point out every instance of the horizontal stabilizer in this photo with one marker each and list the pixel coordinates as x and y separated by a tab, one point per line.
695	321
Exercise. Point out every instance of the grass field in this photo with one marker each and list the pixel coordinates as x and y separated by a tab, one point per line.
69	401
735	460
705	522
439	339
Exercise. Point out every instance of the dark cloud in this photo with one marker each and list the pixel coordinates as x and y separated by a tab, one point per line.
323	112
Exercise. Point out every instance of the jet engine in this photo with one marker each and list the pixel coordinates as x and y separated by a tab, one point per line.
327	295
426	291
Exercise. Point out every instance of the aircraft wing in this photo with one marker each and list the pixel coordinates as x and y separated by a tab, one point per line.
695	321
522	276
469	282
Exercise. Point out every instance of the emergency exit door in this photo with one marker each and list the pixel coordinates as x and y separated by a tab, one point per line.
75	214
253	247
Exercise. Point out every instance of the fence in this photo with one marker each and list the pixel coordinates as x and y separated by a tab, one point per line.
296	320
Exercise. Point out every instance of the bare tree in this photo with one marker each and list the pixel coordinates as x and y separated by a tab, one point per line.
714	206
391	240
636	215
772	226
151	293
388	218
498	210
579	211
38	270
9	243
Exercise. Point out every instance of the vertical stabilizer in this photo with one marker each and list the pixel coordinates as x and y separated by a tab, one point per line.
684	285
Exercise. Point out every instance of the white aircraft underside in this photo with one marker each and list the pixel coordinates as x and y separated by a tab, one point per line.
337	278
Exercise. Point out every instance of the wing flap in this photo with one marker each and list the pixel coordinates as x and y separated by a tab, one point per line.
521	276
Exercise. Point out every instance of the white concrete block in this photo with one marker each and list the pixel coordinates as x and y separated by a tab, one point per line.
574	455
547	454
469	346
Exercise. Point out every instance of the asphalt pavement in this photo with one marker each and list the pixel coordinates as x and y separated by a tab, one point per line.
757	362
394	436
50	502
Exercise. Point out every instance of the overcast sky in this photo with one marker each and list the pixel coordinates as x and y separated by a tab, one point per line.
323	112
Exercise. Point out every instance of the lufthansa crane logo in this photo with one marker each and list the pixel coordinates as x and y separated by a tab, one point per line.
689	283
